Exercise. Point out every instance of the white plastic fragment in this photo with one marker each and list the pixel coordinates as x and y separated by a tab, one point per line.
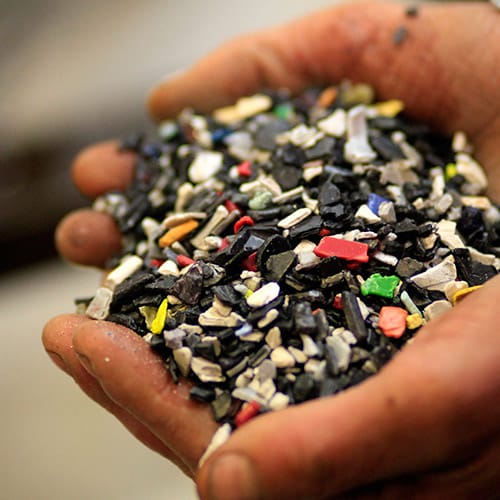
205	165
167	129
438	182
334	124
255	336
173	220
387	212
206	371
347	336
341	350
459	142
364	212
443	203
218	439
309	347
474	174
264	295
273	337
279	401
436	308
240	145
386	258
268	318
221	213
212	317
128	266
453	287
413	157
311	172
299	356
481	202
316	368
483	258
282	358
294	218
152	228
436	277
301	135
288	195
248	394
357	148
244	378
397	172
99	306
184	195
447	231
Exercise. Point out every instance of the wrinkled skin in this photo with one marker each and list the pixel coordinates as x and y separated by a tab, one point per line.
428	425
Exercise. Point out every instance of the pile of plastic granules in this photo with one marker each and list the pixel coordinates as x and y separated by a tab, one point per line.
285	248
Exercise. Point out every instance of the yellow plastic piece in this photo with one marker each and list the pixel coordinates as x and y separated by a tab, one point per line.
161	315
450	171
414	321
389	108
178	233
248	293
149	314
460	294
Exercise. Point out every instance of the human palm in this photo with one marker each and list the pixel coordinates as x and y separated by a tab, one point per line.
428	423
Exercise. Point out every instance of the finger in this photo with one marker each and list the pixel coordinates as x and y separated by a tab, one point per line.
476	478
353	41
430	406
57	339
87	237
101	168
136	379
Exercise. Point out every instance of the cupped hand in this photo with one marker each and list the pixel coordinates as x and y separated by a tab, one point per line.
427	425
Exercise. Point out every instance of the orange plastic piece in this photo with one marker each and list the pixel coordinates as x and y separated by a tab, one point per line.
392	321
178	233
327	97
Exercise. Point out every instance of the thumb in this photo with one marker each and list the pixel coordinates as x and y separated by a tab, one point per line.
430	406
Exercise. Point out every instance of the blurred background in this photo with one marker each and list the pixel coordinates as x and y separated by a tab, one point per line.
72	73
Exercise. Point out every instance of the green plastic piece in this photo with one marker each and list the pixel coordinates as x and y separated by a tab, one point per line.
260	200
383	286
283	111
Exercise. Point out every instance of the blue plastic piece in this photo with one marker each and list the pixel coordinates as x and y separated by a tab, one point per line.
374	202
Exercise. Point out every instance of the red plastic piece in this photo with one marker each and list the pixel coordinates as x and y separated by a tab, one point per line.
224	244
246	413
329	246
246	220
352	265
337	302
392	321
324	232
184	261
244	169
250	263
231	207
156	262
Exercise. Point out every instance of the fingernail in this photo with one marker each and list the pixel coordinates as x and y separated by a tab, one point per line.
58	360
232	477
86	363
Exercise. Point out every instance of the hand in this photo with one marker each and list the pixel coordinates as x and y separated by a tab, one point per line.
427	425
